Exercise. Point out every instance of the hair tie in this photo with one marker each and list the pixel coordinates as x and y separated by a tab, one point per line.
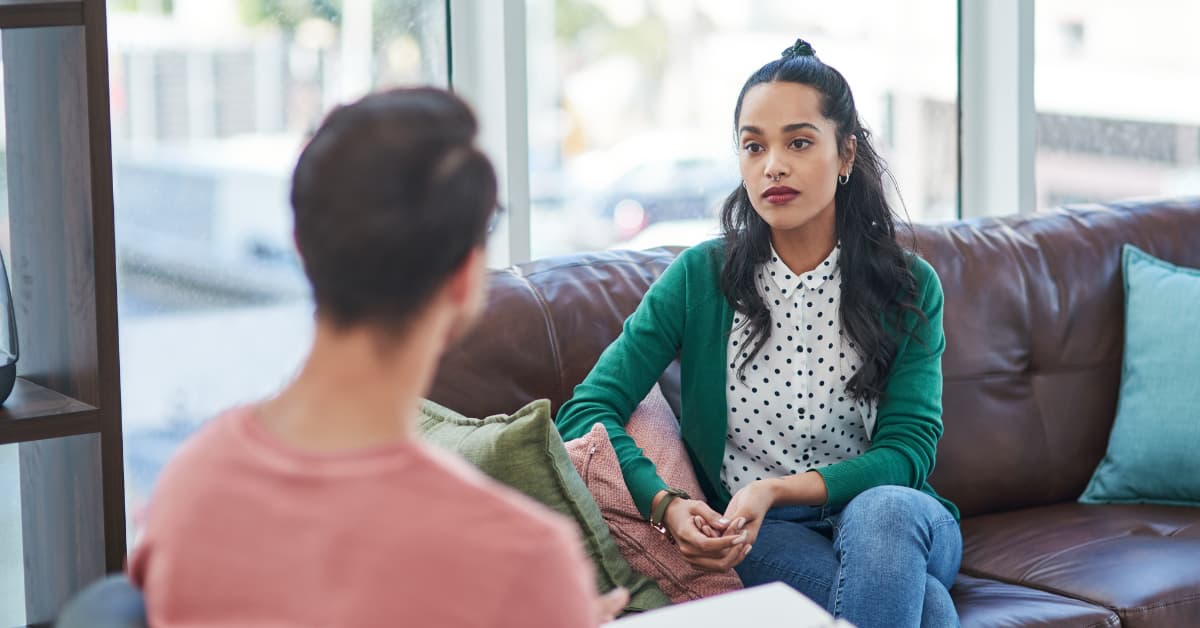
799	49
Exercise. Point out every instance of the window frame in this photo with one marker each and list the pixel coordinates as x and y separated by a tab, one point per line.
497	87
997	117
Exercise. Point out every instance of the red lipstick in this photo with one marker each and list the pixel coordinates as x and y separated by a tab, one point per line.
780	194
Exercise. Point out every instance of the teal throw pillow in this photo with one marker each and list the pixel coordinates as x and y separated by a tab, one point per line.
1153	453
525	451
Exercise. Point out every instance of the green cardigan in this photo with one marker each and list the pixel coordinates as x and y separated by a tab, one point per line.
685	314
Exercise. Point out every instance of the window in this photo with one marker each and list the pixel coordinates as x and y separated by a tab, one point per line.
12	584
5	249
630	106
12	555
211	103
1114	90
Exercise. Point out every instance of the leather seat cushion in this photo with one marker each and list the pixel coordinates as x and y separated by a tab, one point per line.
1141	561
983	603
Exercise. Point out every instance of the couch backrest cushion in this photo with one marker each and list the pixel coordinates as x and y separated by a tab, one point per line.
1034	329
544	326
1034	324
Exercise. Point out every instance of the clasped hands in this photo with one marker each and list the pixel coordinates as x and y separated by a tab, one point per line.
718	542
712	541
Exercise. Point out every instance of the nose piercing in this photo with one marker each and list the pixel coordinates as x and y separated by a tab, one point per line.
776	177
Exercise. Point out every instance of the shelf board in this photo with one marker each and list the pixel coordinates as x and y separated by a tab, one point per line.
34	412
40	13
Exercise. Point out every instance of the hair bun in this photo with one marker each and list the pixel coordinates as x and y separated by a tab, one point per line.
799	49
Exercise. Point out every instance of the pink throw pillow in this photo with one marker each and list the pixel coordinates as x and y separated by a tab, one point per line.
654	428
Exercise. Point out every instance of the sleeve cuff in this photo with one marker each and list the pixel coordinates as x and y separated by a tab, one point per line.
643	483
842	483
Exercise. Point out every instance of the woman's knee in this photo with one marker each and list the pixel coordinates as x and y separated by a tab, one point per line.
889	506
894	519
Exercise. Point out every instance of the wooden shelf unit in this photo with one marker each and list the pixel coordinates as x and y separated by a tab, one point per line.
40	13
34	412
65	410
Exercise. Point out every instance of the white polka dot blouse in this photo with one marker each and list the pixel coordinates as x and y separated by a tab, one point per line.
788	411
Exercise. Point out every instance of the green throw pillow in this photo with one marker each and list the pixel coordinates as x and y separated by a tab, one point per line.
1152	456
524	451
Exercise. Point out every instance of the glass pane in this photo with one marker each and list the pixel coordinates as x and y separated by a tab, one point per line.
211	103
4	230
1115	94
631	105
12	556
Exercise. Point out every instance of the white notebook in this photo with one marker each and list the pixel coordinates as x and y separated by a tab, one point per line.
765	605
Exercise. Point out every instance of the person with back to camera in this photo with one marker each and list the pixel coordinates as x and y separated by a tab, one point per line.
320	506
810	346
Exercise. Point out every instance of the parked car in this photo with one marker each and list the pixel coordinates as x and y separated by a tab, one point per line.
658	191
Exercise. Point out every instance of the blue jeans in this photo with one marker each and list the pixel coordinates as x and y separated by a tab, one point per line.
888	558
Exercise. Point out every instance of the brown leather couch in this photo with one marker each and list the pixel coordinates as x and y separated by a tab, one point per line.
1034	328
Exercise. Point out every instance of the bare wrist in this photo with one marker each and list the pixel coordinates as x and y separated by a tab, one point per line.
671	507
774	489
804	489
820	492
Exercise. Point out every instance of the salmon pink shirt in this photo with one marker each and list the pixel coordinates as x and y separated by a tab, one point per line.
244	530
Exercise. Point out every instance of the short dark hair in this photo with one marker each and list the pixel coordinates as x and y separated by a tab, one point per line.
390	196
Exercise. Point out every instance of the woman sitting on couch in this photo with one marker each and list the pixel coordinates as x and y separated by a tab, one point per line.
810	344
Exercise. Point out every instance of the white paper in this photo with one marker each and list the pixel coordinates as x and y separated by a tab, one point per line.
767	605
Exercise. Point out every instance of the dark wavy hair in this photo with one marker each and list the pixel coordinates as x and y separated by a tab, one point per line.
874	267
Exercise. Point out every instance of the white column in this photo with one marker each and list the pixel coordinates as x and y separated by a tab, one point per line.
143	107
998	129
488	69
269	88
201	94
357	49
912	154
